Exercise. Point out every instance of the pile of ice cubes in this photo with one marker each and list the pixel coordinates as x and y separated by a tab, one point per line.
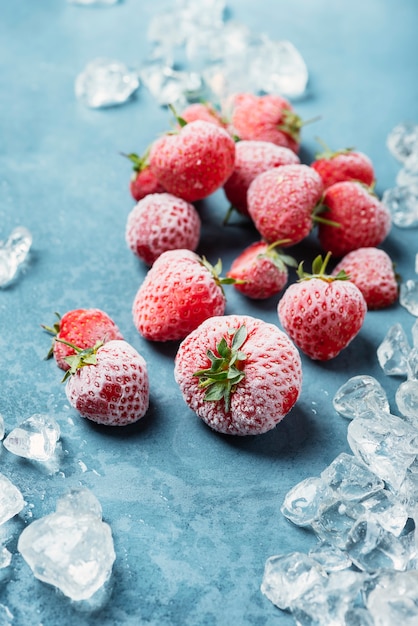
196	53
362	508
71	548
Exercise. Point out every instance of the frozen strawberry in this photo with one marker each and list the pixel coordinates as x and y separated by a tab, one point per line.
193	162
161	222
364	221
282	201
251	159
239	374
143	181
202	111
266	118
372	271
260	271
108	383
180	291
83	328
341	165
322	314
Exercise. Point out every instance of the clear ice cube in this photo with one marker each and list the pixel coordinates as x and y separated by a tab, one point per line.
402	203
358	616
105	83
34	438
335	522
415	331
394	599
5	557
13	254
393	351
403	140
408	296
359	395
1	427
372	548
350	479
412	363
70	549
287	576
407	400
279	68
408	174
170	86
305	501
330	558
11	499
385	509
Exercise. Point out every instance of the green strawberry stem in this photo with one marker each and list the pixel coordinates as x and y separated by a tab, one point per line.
220	380
180	120
52	330
328	153
216	270
81	358
319	219
139	162
279	258
293	123
319	266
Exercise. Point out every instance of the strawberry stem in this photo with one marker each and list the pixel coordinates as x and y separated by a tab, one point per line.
81	358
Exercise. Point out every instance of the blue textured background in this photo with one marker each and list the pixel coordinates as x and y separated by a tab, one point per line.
194	514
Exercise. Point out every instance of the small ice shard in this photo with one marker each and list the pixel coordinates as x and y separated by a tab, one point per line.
393	351
402	140
13	254
1	427
330	558
359	395
279	68
408	296
305	501
350	479
170	86
287	576
5	557
394	599
407	400
35	438
71	549
11	500
372	548
402	203
105	83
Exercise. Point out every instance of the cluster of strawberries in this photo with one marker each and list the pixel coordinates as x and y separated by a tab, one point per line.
240	374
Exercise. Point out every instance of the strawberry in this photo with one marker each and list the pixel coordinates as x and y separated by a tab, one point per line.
179	291
363	220
260	271
108	383
161	222
322	313
143	181
193	162
266	118
251	159
372	271
281	202
346	164
202	111
83	328
239	374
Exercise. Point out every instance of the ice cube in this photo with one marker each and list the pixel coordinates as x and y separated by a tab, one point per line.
330	558
408	296
403	140
335	522
70	549
402	203
394	350
394	599
35	438
105	82
13	254
11	499
305	501
359	395
170	86
5	558
371	548
415	331
385	509
408	174
350	479
279	68
407	400
1	427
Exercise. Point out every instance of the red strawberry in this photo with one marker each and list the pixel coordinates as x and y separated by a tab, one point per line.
266	118
202	111
251	159
260	271
281	202
322	313
363	220
371	270
195	161
178	293
240	374
83	328
161	222
143	181
108	384
335	167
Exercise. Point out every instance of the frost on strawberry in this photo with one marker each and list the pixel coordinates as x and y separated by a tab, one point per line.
108	383
161	222
194	161
179	292
282	202
260	271
81	327
364	221
344	165
372	271
251	159
143	181
239	374
321	313
203	111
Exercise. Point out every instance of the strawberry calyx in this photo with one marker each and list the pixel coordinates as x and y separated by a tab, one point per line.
139	162
319	266
292	124
317	218
52	330
279	258
327	153
88	356
220	380
216	270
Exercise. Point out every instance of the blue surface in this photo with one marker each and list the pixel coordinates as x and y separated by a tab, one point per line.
194	514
